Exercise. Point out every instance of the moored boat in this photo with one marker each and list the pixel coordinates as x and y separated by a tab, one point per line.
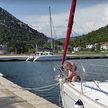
91	94
80	94
46	56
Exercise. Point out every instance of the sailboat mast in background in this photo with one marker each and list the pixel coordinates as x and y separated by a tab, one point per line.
51	27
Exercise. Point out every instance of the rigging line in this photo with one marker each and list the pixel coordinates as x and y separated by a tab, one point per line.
42	90
84	71
73	31
44	87
51	27
54	70
80	26
61	95
83	28
60	100
97	89
89	28
99	65
54	28
83	74
55	36
106	93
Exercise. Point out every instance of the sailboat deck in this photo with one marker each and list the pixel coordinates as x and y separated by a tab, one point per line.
94	91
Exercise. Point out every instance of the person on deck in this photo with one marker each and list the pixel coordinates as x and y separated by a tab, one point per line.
71	68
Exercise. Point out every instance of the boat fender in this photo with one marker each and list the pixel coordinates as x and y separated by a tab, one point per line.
79	104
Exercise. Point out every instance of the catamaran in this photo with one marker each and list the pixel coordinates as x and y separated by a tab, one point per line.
46	55
81	94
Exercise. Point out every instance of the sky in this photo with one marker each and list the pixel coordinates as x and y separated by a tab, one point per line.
90	15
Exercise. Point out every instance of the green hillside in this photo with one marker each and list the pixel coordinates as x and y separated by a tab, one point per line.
98	36
18	36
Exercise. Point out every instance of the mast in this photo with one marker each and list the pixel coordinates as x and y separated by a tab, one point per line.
69	29
51	27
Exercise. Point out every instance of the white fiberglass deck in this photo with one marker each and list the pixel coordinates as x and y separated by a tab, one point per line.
95	94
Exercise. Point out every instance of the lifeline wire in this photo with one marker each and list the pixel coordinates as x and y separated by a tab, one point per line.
44	88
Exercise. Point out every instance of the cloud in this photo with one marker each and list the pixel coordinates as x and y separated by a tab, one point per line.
86	20
105	18
42	23
91	18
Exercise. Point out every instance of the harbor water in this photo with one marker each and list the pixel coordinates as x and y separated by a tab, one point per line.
41	74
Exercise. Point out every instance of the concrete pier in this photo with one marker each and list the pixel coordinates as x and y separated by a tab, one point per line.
14	96
13	57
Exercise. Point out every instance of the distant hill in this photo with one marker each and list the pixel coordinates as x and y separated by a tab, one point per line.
18	36
98	36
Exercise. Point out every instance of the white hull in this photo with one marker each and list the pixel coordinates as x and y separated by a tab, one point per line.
48	58
51	57
30	58
92	96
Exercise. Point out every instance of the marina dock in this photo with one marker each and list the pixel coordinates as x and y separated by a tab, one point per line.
13	57
68	57
14	96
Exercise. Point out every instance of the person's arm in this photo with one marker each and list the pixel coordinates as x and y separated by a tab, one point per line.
74	78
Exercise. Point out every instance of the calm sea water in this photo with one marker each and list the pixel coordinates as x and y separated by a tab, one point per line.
39	74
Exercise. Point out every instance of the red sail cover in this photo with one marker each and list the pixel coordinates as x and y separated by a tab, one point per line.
69	29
